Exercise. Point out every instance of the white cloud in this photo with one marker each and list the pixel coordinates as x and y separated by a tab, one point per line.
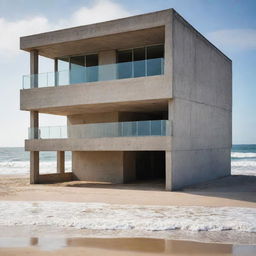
234	39
100	10
11	32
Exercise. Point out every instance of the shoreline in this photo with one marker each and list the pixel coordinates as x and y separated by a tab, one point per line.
100	201
216	237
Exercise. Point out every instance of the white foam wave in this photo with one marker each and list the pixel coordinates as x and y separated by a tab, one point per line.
243	155
243	163
22	167
99	216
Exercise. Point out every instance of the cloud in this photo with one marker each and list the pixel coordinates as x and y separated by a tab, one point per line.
13	30
100	10
234	39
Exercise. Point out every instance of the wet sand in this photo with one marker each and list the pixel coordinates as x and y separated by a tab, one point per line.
119	246
236	191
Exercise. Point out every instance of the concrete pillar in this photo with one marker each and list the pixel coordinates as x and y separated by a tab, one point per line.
60	161
34	167
34	134
34	68
168	154
56	75
34	155
168	170
168	53
107	72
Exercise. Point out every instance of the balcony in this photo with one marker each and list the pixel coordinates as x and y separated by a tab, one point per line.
102	130
124	70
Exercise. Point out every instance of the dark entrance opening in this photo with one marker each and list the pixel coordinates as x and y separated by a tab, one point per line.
150	165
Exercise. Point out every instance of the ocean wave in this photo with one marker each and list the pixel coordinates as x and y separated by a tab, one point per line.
100	216
247	164
22	167
243	155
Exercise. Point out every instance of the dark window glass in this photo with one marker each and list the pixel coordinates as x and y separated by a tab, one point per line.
139	62
156	51
124	59
91	67
155	55
77	69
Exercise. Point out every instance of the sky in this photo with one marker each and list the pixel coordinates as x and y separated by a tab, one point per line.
229	24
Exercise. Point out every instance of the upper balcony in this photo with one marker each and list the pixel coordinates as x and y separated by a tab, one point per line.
81	74
109	66
115	136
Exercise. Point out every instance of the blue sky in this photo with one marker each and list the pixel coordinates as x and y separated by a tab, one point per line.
229	24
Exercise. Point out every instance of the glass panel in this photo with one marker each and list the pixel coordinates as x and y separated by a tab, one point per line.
154	67
129	129
99	130
139	62
156	128
107	72
42	80
63	77
92	68
144	128
124	58
77	70
155	54
63	64
26	82
51	78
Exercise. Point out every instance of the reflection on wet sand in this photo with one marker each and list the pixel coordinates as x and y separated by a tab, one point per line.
127	245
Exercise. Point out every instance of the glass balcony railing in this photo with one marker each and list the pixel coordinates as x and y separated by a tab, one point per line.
100	130
150	67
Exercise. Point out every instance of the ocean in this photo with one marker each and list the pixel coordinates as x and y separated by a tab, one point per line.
16	161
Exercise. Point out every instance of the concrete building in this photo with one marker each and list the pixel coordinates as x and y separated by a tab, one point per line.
146	97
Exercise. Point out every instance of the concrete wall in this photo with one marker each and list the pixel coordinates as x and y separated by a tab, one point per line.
201	109
110	166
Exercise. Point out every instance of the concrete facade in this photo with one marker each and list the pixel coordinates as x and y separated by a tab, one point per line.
194	94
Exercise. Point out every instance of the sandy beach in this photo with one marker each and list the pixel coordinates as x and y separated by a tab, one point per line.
233	191
36	212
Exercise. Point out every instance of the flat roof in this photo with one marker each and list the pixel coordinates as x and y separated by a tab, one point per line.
125	32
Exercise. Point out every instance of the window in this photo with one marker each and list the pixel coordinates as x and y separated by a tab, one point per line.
139	61
91	62
77	70
124	59
154	60
143	61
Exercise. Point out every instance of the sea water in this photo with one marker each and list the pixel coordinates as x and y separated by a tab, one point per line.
16	161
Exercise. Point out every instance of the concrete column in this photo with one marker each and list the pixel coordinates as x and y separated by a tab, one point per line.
107	72
56	75
168	54
34	125
60	161
34	167
34	155
168	170
34	68
168	154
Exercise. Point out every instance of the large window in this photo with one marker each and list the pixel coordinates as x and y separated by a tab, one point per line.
78	69
137	62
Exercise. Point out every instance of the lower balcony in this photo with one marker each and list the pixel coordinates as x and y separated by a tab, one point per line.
119	136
